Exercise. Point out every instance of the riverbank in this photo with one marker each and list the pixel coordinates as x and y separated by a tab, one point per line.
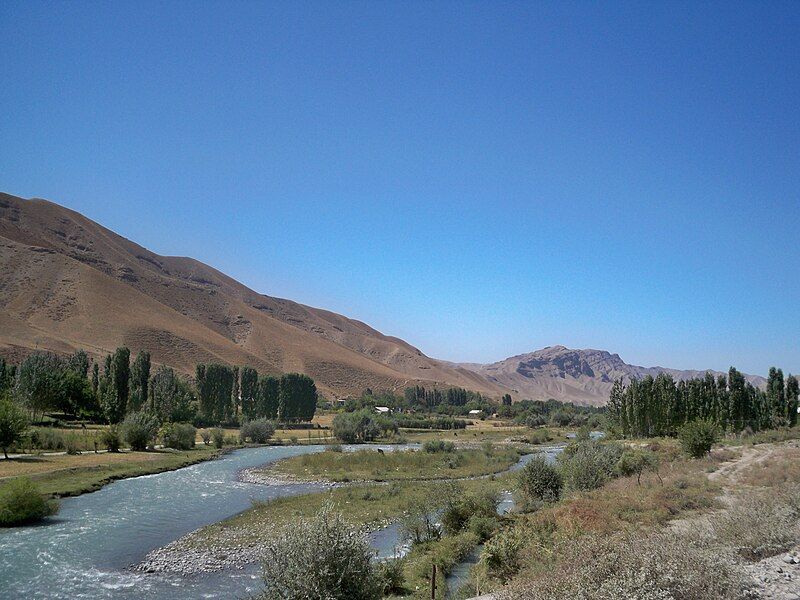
65	475
238	541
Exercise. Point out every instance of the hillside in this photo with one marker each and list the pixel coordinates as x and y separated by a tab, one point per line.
582	376
67	282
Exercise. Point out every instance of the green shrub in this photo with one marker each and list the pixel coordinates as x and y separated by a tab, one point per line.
587	465
635	461
697	437
540	481
21	502
461	508
205	435
140	430
434	446
321	557
334	448
110	438
258	431
218	437
180	436
391	576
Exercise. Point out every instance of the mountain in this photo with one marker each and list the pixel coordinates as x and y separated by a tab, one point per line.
66	283
581	376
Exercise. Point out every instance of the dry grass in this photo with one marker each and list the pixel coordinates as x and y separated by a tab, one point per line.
781	468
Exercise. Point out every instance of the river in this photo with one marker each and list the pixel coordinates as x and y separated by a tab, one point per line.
85	550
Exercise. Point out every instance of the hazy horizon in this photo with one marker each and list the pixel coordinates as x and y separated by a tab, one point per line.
480	181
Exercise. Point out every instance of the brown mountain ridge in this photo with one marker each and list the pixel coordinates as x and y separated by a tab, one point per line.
67	282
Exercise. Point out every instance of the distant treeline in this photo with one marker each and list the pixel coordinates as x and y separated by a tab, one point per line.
47	383
659	406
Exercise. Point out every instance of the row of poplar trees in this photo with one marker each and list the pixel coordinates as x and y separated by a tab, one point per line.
226	393
659	406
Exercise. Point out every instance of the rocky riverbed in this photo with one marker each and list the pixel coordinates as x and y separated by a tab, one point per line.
777	577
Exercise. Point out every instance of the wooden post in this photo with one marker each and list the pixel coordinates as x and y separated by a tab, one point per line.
433	583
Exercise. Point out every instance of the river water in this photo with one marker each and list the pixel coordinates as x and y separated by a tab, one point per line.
85	550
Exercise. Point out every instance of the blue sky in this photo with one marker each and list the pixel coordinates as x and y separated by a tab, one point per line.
480	179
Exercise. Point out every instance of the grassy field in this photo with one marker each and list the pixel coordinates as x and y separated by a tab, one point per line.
70	475
368	465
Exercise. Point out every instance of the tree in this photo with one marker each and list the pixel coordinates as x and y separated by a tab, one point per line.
321	558
77	397
140	379
171	397
235	400
38	382
249	392
268	396
114	385
791	400
13	423
776	399
215	392
297	400
507	400
78	363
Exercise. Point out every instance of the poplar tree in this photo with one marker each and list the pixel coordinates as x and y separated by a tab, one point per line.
140	378
268	397
792	400
249	392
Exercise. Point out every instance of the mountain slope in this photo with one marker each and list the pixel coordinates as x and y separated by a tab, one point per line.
67	282
582	376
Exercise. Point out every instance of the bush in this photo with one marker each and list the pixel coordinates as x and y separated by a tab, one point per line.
356	427
635	461
391	576
434	446
334	448
140	430
258	431
697	438
180	436
218	437
205	435
110	438
589	464
540	481
21	502
320	558
502	554
460	509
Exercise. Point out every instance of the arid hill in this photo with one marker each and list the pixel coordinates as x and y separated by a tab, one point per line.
66	282
582	376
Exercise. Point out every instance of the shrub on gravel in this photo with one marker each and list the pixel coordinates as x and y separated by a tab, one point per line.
321	558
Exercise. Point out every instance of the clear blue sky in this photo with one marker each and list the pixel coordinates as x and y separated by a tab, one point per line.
481	179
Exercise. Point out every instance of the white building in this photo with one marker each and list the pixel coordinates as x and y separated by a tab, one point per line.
384	410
